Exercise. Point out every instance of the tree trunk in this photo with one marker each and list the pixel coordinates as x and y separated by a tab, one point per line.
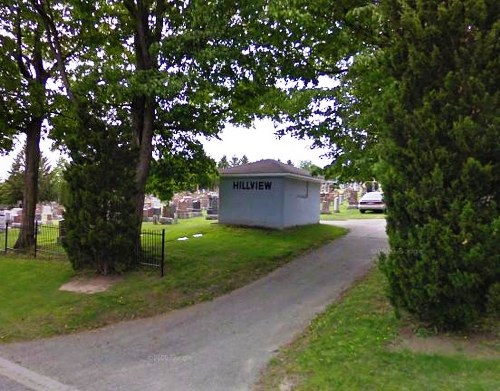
144	118
143	107
34	72
26	237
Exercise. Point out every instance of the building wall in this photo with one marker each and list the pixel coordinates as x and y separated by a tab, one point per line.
240	204
274	202
301	202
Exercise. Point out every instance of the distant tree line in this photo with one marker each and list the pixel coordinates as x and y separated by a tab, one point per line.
235	161
51	183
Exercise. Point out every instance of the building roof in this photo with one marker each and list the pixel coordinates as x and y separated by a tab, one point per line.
267	167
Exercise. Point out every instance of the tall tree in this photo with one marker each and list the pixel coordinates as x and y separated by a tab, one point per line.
24	85
59	184
169	71
187	170
235	161
102	230
46	181
12	193
244	160
311	167
14	185
223	163
441	159
335	112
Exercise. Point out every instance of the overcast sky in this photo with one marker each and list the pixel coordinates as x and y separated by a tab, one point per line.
258	142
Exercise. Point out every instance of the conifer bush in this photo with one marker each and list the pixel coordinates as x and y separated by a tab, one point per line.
441	158
493	302
99	221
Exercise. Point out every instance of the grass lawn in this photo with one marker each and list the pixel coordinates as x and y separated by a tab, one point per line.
349	214
357	345
197	269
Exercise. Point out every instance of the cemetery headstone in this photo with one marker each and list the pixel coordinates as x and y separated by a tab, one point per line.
352	199
204	201
213	208
62	231
169	210
325	206
336	205
3	221
184	208
196	208
167	220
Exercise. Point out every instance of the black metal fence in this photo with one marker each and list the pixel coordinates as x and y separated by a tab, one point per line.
152	251
48	242
47	239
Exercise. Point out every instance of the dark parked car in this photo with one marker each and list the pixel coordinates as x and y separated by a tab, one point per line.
373	200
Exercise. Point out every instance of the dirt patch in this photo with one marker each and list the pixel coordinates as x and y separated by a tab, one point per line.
480	345
90	285
288	383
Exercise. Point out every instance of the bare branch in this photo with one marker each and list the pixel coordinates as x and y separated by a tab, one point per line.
19	49
40	72
131	7
331	71
161	6
54	43
65	59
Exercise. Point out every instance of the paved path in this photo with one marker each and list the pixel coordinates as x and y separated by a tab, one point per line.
218	345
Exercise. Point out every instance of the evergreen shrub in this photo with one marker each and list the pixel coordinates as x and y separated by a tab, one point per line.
100	224
441	159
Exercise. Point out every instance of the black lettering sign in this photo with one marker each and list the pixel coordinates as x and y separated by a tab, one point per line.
252	185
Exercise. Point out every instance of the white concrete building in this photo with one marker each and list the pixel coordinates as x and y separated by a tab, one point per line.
269	194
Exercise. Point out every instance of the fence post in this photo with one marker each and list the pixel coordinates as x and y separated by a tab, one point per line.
6	233
36	235
162	251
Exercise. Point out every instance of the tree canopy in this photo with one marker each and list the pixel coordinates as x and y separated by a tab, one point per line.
335	109
25	72
404	89
156	75
415	103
